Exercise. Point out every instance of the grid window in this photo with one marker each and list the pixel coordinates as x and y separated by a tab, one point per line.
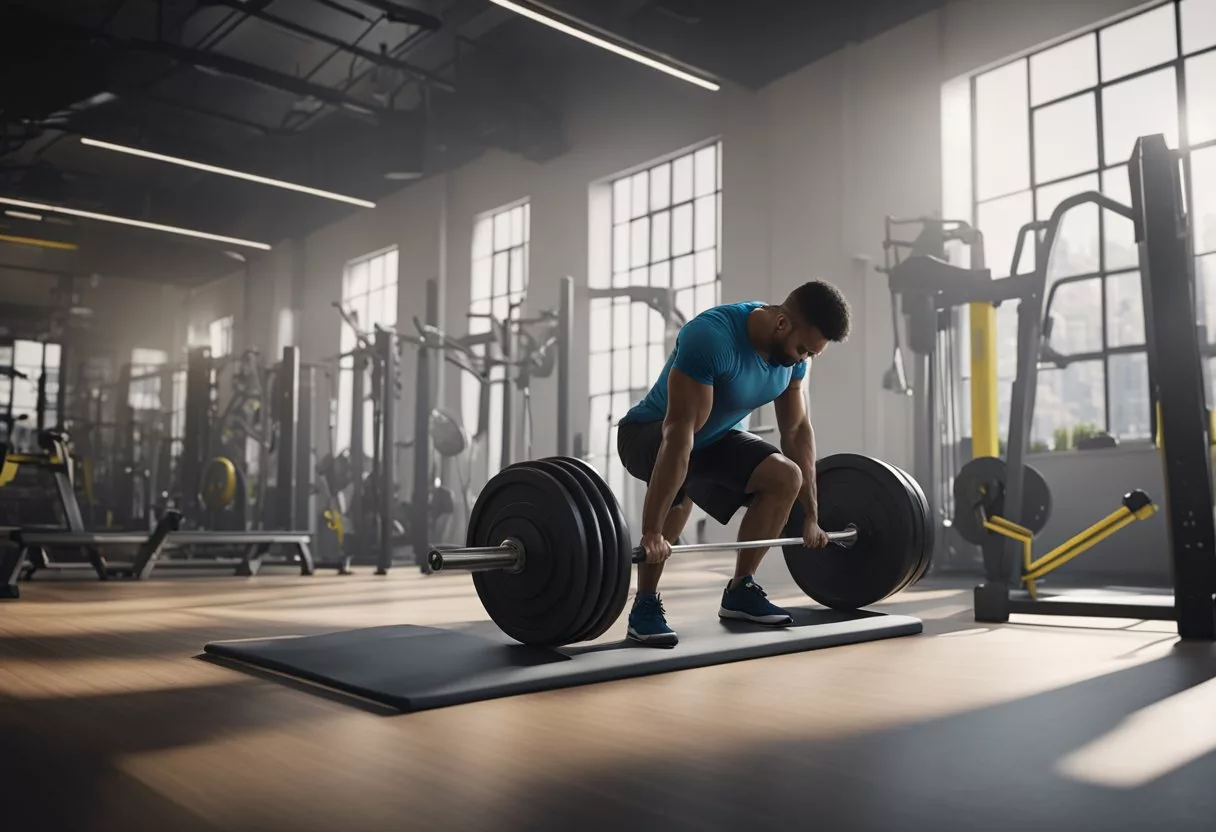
666	234
145	379
369	295
498	287
1064	121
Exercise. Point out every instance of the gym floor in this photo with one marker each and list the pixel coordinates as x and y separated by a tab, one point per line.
109	720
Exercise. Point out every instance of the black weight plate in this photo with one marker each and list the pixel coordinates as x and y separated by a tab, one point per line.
621	566
918	526
928	529
983	481
872	496
588	508
544	603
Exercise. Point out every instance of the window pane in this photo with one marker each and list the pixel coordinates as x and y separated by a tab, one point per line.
1124	310
1139	107
375	268
501	266
660	187
621	368
1198	25
527	209
639	277
1129	398
481	279
1065	138
639	242
620	200
707	267
620	322
517	270
639	367
502	230
1139	42
657	361
1201	108
1077	312
706	222
1068	398
641	194
1066	68
681	230
1205	281
706	173
517	226
660	236
601	324
1000	221
600	373
1002	149
660	274
1203	190
639	332
390	304
483	235
1076	245
685	303
357	284
1120	233
620	247
658	329
683	274
707	296
681	179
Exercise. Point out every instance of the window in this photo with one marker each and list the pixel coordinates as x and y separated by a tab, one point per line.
219	337
19	397
497	290
666	230
1063	121
145	378
369	295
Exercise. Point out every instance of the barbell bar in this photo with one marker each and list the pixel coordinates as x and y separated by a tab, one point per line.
510	554
551	555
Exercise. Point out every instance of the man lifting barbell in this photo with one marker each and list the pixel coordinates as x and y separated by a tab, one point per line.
685	441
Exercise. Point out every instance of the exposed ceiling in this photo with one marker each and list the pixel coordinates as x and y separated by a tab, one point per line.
344	95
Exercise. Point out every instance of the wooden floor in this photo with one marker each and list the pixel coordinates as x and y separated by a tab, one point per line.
109	720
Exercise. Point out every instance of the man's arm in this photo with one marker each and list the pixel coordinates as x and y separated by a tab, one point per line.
798	443
688	406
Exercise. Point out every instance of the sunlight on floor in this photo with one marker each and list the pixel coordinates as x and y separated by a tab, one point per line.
1149	744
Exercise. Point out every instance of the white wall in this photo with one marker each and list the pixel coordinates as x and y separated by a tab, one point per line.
811	166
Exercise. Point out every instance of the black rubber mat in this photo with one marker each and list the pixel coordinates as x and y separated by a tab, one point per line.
410	668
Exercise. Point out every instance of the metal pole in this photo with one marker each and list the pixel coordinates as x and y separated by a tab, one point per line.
287	414
509	554
305	451
420	502
508	392
357	457
565	336
386	346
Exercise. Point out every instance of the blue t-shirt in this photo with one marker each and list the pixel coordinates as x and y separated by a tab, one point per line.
714	348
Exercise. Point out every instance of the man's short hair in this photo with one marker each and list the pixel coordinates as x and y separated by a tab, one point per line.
821	305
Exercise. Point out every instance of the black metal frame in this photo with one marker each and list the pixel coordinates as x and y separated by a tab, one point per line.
1168	286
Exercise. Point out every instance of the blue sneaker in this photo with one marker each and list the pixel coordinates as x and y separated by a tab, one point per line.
749	602
647	623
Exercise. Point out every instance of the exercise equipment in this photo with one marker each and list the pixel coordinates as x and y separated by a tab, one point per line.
410	668
979	492
551	552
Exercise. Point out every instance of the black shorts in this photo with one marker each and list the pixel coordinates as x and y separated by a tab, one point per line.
717	474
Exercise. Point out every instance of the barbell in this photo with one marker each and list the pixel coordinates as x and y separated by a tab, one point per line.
551	554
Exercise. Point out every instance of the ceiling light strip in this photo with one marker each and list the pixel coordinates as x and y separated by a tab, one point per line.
236	174
624	52
169	229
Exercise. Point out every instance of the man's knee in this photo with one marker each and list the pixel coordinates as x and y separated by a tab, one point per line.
778	476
